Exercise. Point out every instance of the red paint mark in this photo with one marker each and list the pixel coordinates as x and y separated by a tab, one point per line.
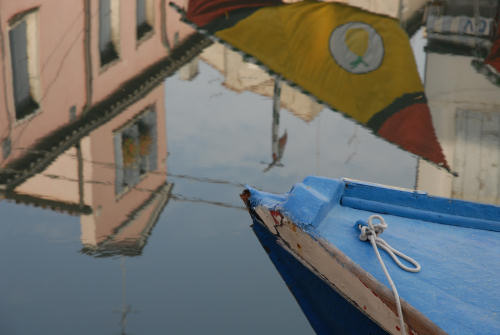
276	215
411	332
397	327
364	307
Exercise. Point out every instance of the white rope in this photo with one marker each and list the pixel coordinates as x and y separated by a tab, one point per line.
371	233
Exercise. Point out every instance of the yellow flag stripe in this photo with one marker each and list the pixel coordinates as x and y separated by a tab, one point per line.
294	41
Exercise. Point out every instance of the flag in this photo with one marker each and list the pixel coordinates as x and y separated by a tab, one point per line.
202	12
490	66
493	58
358	63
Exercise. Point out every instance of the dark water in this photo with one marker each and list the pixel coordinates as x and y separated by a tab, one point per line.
182	260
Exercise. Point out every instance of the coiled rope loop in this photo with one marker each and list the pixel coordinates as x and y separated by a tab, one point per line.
378	229
371	233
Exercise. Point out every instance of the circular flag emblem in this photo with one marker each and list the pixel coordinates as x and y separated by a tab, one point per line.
357	47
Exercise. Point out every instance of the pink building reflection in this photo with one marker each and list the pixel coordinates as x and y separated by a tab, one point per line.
82	122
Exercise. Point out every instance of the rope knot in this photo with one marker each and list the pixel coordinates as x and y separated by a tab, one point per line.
371	229
370	233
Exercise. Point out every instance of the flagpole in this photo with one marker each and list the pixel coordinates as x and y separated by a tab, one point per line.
476	27
125	308
400	12
276	117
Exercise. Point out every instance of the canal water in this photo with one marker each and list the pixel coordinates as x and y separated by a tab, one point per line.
202	269
121	211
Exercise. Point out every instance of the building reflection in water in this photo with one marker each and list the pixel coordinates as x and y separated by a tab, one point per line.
83	120
463	101
82	116
464	104
82	128
242	75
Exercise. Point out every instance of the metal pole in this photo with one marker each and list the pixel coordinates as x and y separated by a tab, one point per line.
276	117
125	308
476	26
400	13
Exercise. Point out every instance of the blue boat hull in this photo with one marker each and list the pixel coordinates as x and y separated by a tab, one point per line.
328	312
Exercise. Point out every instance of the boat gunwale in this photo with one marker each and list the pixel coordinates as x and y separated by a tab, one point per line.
414	204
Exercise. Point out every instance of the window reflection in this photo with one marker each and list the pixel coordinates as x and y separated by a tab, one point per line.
108	31
144	18
22	53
